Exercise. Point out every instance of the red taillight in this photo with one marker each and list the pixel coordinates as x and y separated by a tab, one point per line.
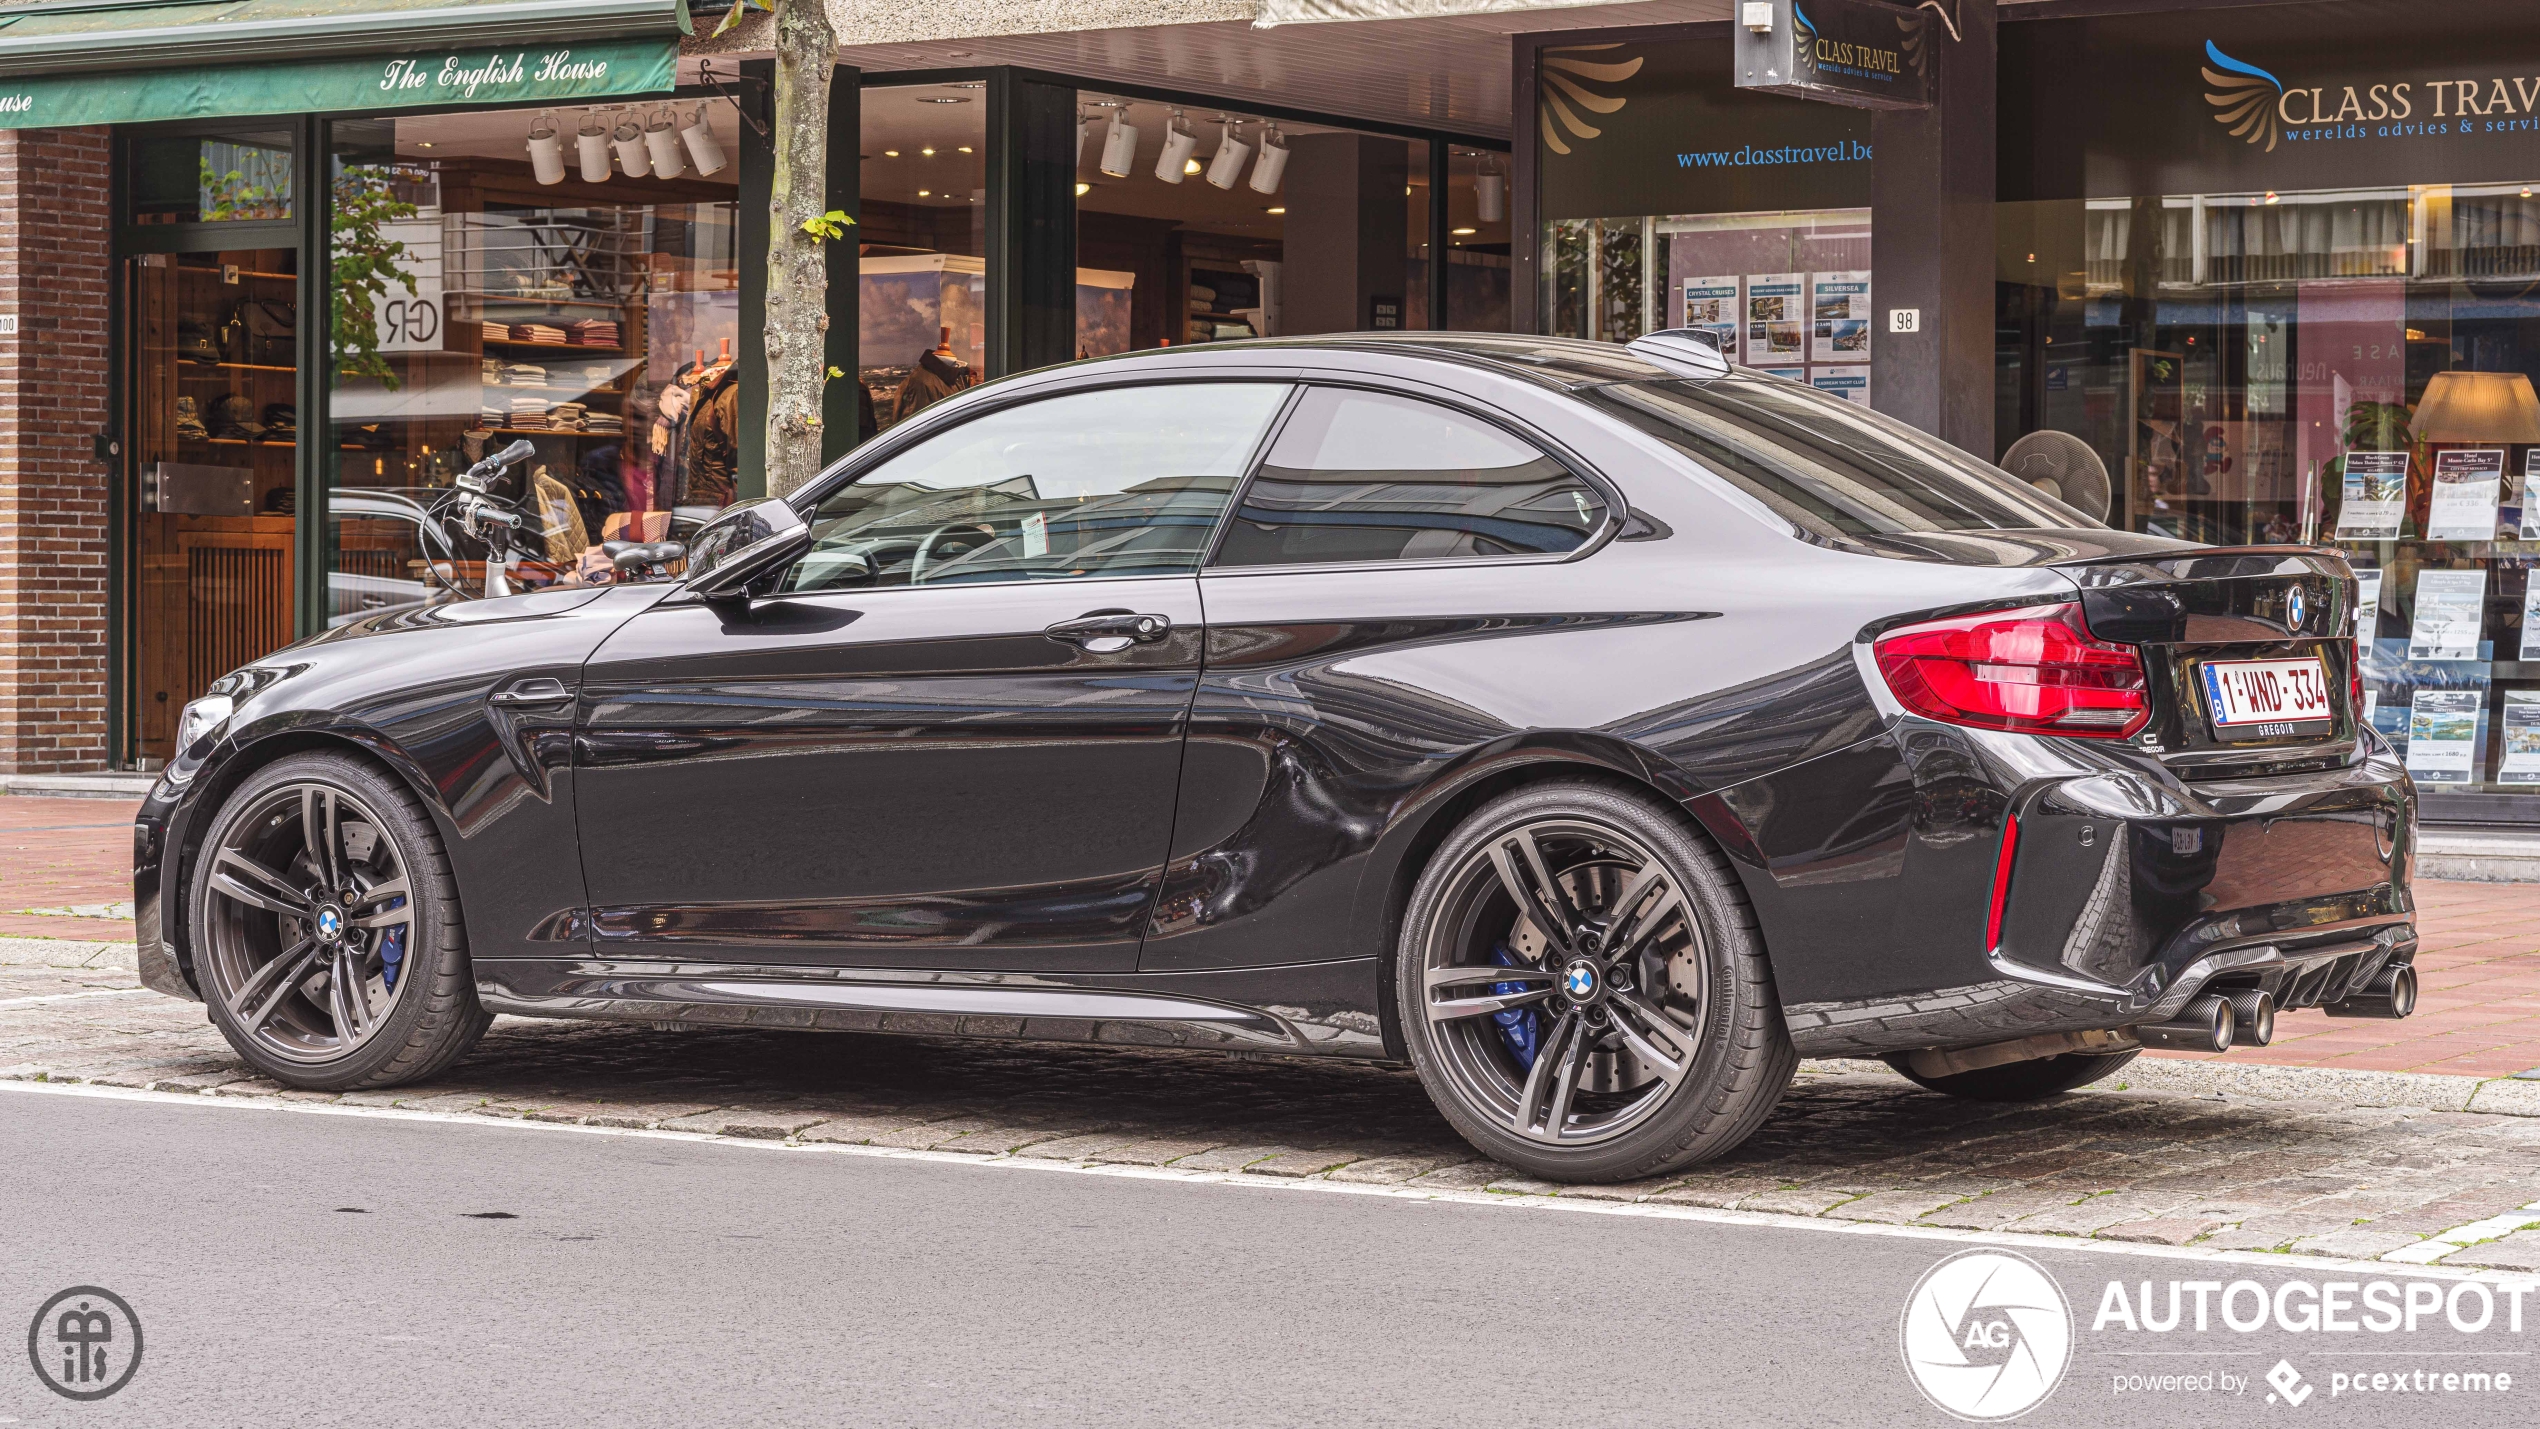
2355	686
2002	879
2037	671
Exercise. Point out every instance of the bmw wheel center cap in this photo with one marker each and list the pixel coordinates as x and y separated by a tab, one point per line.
330	923
1579	980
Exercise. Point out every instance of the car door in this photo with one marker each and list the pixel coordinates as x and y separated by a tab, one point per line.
950	737
1387	569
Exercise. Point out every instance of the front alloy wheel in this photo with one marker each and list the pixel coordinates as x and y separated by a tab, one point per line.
322	929
1583	991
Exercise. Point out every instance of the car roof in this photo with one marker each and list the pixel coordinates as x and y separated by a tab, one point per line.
1556	362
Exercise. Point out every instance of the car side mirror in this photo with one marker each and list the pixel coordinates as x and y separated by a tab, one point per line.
743	542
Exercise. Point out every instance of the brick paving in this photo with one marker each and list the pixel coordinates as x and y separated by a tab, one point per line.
65	853
2312	1175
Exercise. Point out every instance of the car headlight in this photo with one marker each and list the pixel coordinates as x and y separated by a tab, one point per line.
201	719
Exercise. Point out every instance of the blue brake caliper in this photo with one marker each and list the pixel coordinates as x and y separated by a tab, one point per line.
1518	1026
392	947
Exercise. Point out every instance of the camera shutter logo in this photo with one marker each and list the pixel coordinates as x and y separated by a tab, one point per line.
85	1343
1986	1335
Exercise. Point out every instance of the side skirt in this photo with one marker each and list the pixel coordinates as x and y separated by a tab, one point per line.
1311	1009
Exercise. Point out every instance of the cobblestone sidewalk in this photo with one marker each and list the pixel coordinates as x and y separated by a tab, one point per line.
2138	1162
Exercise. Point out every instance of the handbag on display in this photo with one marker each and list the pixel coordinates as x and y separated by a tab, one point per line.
194	344
263	332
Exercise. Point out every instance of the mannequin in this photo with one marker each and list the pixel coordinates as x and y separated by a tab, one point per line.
937	375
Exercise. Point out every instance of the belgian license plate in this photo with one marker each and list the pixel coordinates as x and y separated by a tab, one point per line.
2258	698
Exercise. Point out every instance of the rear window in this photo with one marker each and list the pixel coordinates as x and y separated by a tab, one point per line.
1832	468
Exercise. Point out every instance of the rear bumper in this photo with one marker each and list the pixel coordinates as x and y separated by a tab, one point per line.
2131	895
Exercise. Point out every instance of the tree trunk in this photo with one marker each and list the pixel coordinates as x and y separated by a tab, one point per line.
797	270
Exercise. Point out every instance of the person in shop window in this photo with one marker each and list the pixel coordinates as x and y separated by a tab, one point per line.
937	375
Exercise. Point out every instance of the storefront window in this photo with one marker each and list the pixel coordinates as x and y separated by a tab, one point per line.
2319	323
583	297
1761	234
213	341
1188	217
922	237
234	177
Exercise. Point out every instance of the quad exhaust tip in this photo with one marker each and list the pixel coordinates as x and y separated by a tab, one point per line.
2204	1025
2252	1019
2391	994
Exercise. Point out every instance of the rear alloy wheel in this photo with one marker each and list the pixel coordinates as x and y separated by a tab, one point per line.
1583	989
325	930
2033	1080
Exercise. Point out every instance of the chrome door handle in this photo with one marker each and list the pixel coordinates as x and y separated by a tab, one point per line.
1108	632
531	692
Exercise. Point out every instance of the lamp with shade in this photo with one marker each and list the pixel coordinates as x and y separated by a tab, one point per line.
2478	408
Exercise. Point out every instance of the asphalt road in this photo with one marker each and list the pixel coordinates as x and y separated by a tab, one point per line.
652	1281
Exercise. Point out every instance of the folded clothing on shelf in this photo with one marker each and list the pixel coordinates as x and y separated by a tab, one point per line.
498	332
537	332
595	332
608	422
566	416
524	374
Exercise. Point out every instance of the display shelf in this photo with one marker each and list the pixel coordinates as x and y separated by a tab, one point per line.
205	369
543	432
243	273
555	346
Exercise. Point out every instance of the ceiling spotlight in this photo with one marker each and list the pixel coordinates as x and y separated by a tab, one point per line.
943	99
1174	162
699	137
661	140
1463	232
928	152
963	149
925	193
627	137
1119	146
423	143
1228	163
546	148
1273	163
1083	188
890	153
1276	208
591	145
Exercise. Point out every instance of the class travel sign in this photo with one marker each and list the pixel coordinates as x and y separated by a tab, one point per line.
557	73
2339	95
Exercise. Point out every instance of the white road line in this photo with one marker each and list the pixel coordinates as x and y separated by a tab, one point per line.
72	996
2434	1248
1273	1183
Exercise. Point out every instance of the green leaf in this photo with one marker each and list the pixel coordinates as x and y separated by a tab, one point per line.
831	225
837	372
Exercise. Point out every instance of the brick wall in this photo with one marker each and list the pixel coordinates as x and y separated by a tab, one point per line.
54	270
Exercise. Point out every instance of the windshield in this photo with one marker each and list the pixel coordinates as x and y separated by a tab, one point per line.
1832	468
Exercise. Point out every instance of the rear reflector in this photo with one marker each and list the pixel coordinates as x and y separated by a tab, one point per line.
2035	671
2002	879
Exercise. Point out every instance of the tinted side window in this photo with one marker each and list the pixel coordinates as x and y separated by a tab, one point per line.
1361	476
1121	482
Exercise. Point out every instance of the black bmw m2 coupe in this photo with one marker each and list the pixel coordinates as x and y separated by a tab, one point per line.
1596	730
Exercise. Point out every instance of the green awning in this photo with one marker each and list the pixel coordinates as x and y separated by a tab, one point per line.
63	36
126	61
